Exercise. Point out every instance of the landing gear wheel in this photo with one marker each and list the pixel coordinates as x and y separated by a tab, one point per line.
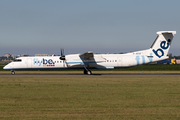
85	71
12	72
89	72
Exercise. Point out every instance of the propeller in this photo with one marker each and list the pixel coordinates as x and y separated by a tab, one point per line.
63	57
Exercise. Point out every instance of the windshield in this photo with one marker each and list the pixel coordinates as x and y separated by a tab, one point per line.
17	60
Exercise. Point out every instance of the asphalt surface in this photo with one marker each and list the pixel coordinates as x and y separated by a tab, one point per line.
82	75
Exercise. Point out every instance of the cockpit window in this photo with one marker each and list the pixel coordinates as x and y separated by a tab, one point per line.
17	60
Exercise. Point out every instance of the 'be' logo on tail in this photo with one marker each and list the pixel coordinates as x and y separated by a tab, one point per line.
159	52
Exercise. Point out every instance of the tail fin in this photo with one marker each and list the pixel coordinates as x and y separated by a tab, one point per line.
161	45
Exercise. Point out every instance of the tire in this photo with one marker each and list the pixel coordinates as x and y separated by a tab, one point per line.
85	72
12	72
89	72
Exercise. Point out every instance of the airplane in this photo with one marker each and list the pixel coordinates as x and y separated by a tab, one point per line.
157	52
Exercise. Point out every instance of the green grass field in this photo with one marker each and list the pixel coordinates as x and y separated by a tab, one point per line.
90	97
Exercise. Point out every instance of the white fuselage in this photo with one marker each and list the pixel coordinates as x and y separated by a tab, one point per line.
158	51
100	61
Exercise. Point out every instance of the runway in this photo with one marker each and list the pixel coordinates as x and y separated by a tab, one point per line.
93	75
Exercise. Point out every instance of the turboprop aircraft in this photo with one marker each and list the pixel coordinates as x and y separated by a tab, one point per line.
158	51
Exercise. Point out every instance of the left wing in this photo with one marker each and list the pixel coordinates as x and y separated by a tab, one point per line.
87	56
84	59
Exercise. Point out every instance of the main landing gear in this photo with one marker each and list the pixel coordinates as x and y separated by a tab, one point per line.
87	71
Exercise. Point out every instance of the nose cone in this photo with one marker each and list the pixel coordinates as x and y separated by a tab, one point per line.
6	67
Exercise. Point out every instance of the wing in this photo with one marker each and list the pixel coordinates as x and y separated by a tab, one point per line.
87	56
90	57
80	60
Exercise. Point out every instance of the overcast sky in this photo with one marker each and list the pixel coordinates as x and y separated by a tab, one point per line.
101	26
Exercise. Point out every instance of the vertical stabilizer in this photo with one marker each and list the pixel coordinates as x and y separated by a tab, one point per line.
161	45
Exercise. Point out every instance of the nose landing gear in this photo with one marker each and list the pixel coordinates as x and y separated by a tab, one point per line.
12	72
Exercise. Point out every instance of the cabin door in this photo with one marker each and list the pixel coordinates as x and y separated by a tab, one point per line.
29	62
119	61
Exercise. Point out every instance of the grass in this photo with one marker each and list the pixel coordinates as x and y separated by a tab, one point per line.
90	97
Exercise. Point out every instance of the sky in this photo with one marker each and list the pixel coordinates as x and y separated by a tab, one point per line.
78	26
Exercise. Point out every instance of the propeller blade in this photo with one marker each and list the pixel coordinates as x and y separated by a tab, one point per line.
62	52
62	55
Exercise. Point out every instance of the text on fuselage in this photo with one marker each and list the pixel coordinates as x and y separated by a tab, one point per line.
45	62
138	58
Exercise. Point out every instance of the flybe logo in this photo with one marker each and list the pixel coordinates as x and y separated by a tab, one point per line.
143	58
44	62
163	46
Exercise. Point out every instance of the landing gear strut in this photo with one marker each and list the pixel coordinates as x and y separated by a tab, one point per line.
87	71
12	72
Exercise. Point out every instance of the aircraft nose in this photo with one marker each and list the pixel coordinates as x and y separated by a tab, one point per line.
6	67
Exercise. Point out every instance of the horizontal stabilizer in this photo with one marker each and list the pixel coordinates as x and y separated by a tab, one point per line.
166	32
